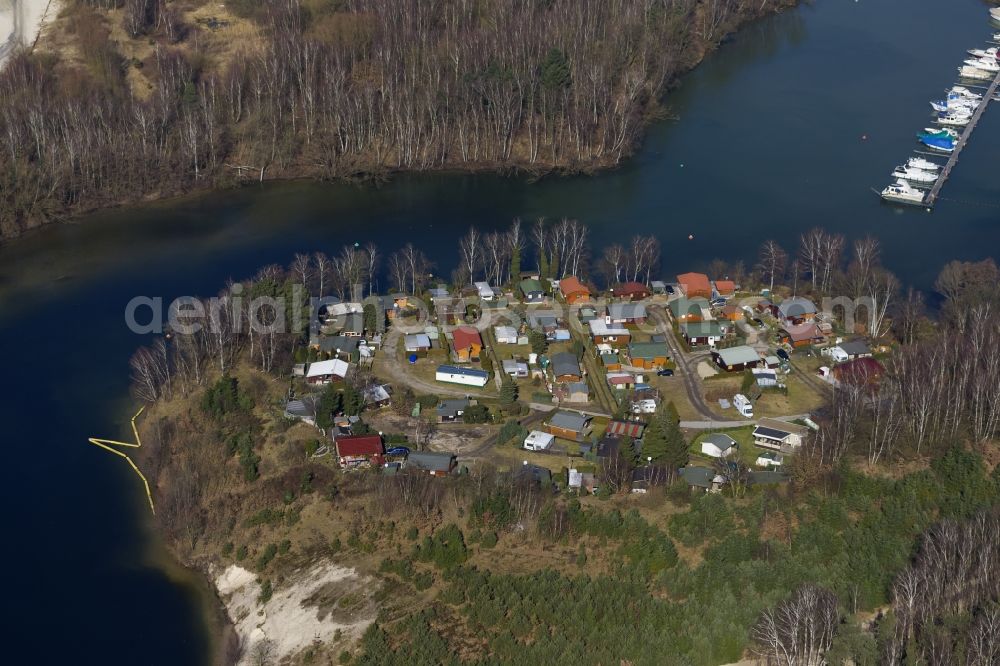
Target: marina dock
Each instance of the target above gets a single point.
(932, 196)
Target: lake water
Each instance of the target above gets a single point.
(767, 143)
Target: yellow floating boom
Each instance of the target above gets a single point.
(106, 444)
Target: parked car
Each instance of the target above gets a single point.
(670, 290)
(782, 354)
(665, 372)
(719, 302)
(758, 322)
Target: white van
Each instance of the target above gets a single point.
(743, 405)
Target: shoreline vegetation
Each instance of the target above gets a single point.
(883, 538)
(126, 101)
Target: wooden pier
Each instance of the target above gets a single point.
(932, 196)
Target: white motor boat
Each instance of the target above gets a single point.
(984, 53)
(912, 175)
(995, 13)
(996, 36)
(953, 120)
(959, 111)
(964, 93)
(989, 64)
(903, 192)
(956, 103)
(969, 72)
(921, 163)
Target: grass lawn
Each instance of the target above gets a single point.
(512, 351)
(801, 398)
(513, 455)
(598, 425)
(672, 390)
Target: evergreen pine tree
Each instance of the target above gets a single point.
(330, 402)
(676, 454)
(508, 392)
(538, 342)
(370, 318)
(353, 401)
(654, 441)
(663, 439)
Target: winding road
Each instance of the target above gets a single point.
(682, 360)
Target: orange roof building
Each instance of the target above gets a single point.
(573, 290)
(725, 288)
(468, 345)
(732, 312)
(695, 284)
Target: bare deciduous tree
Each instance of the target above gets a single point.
(771, 262)
(799, 630)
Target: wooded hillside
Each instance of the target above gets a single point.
(136, 98)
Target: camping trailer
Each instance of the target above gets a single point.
(743, 405)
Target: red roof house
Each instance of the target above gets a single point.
(467, 343)
(695, 284)
(359, 450)
(634, 291)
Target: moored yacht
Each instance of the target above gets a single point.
(902, 192)
(941, 132)
(953, 103)
(912, 175)
(989, 64)
(984, 53)
(954, 119)
(921, 163)
(934, 143)
(962, 91)
(970, 72)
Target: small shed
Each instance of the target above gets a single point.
(718, 445)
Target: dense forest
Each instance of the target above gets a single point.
(808, 578)
(331, 89)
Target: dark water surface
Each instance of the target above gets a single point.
(767, 143)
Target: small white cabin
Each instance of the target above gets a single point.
(538, 440)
